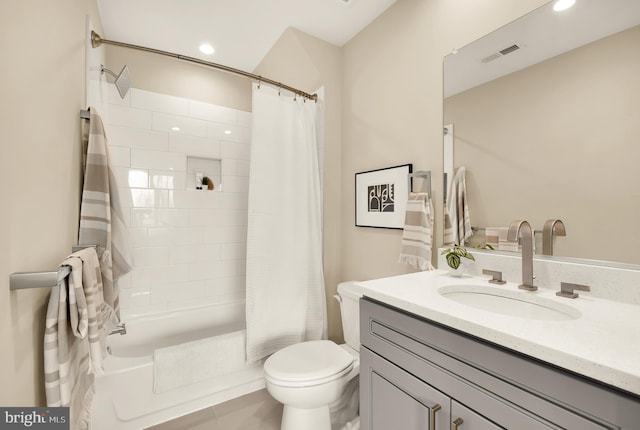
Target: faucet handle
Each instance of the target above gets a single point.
(567, 290)
(496, 277)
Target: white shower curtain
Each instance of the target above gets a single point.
(285, 286)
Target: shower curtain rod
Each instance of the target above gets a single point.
(97, 40)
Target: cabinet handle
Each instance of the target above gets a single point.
(432, 416)
(456, 423)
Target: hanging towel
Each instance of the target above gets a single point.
(101, 217)
(458, 208)
(74, 337)
(448, 228)
(417, 236)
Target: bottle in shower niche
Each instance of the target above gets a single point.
(199, 178)
(208, 182)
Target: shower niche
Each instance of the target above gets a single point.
(204, 173)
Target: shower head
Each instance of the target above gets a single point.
(122, 79)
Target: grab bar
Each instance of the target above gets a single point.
(47, 278)
(426, 174)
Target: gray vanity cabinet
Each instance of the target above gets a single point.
(417, 374)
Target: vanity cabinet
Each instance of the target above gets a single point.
(417, 374)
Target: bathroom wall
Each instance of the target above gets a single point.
(188, 245)
(42, 91)
(577, 157)
(153, 72)
(392, 108)
(305, 62)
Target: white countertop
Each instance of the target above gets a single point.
(603, 343)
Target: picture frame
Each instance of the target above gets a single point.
(381, 197)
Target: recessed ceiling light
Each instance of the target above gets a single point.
(227, 132)
(561, 5)
(205, 48)
(175, 128)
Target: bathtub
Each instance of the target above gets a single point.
(125, 397)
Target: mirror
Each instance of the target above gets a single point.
(545, 117)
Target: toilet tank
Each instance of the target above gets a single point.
(349, 297)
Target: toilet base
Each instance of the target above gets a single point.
(307, 419)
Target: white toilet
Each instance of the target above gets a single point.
(307, 377)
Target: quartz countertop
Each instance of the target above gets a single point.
(603, 343)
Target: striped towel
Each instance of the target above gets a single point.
(100, 217)
(74, 337)
(458, 208)
(418, 232)
(448, 228)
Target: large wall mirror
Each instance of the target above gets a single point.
(545, 117)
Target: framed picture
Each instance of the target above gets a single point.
(381, 197)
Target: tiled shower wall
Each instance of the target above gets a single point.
(188, 246)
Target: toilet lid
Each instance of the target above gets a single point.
(308, 362)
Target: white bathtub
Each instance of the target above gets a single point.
(125, 398)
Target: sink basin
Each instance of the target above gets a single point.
(510, 303)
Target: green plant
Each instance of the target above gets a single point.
(453, 256)
(485, 246)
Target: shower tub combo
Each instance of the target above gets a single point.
(166, 366)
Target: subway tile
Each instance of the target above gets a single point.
(179, 304)
(232, 234)
(159, 218)
(119, 156)
(137, 237)
(168, 292)
(212, 270)
(127, 314)
(235, 201)
(242, 167)
(127, 177)
(229, 132)
(129, 117)
(225, 286)
(135, 298)
(195, 199)
(157, 160)
(138, 138)
(233, 251)
(176, 236)
(157, 102)
(144, 198)
(234, 150)
(235, 184)
(167, 179)
(147, 277)
(151, 256)
(193, 145)
(189, 126)
(124, 282)
(209, 112)
(194, 253)
(229, 167)
(244, 119)
(214, 217)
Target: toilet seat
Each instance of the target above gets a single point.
(307, 364)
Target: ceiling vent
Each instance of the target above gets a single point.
(501, 53)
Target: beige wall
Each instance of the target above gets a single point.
(166, 75)
(42, 89)
(307, 63)
(392, 108)
(559, 140)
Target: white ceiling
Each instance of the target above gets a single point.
(541, 34)
(241, 31)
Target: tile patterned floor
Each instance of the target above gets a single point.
(255, 411)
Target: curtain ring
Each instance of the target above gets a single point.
(259, 83)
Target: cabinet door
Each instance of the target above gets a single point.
(392, 399)
(463, 418)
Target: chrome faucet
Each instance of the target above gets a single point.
(522, 230)
(119, 329)
(552, 227)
